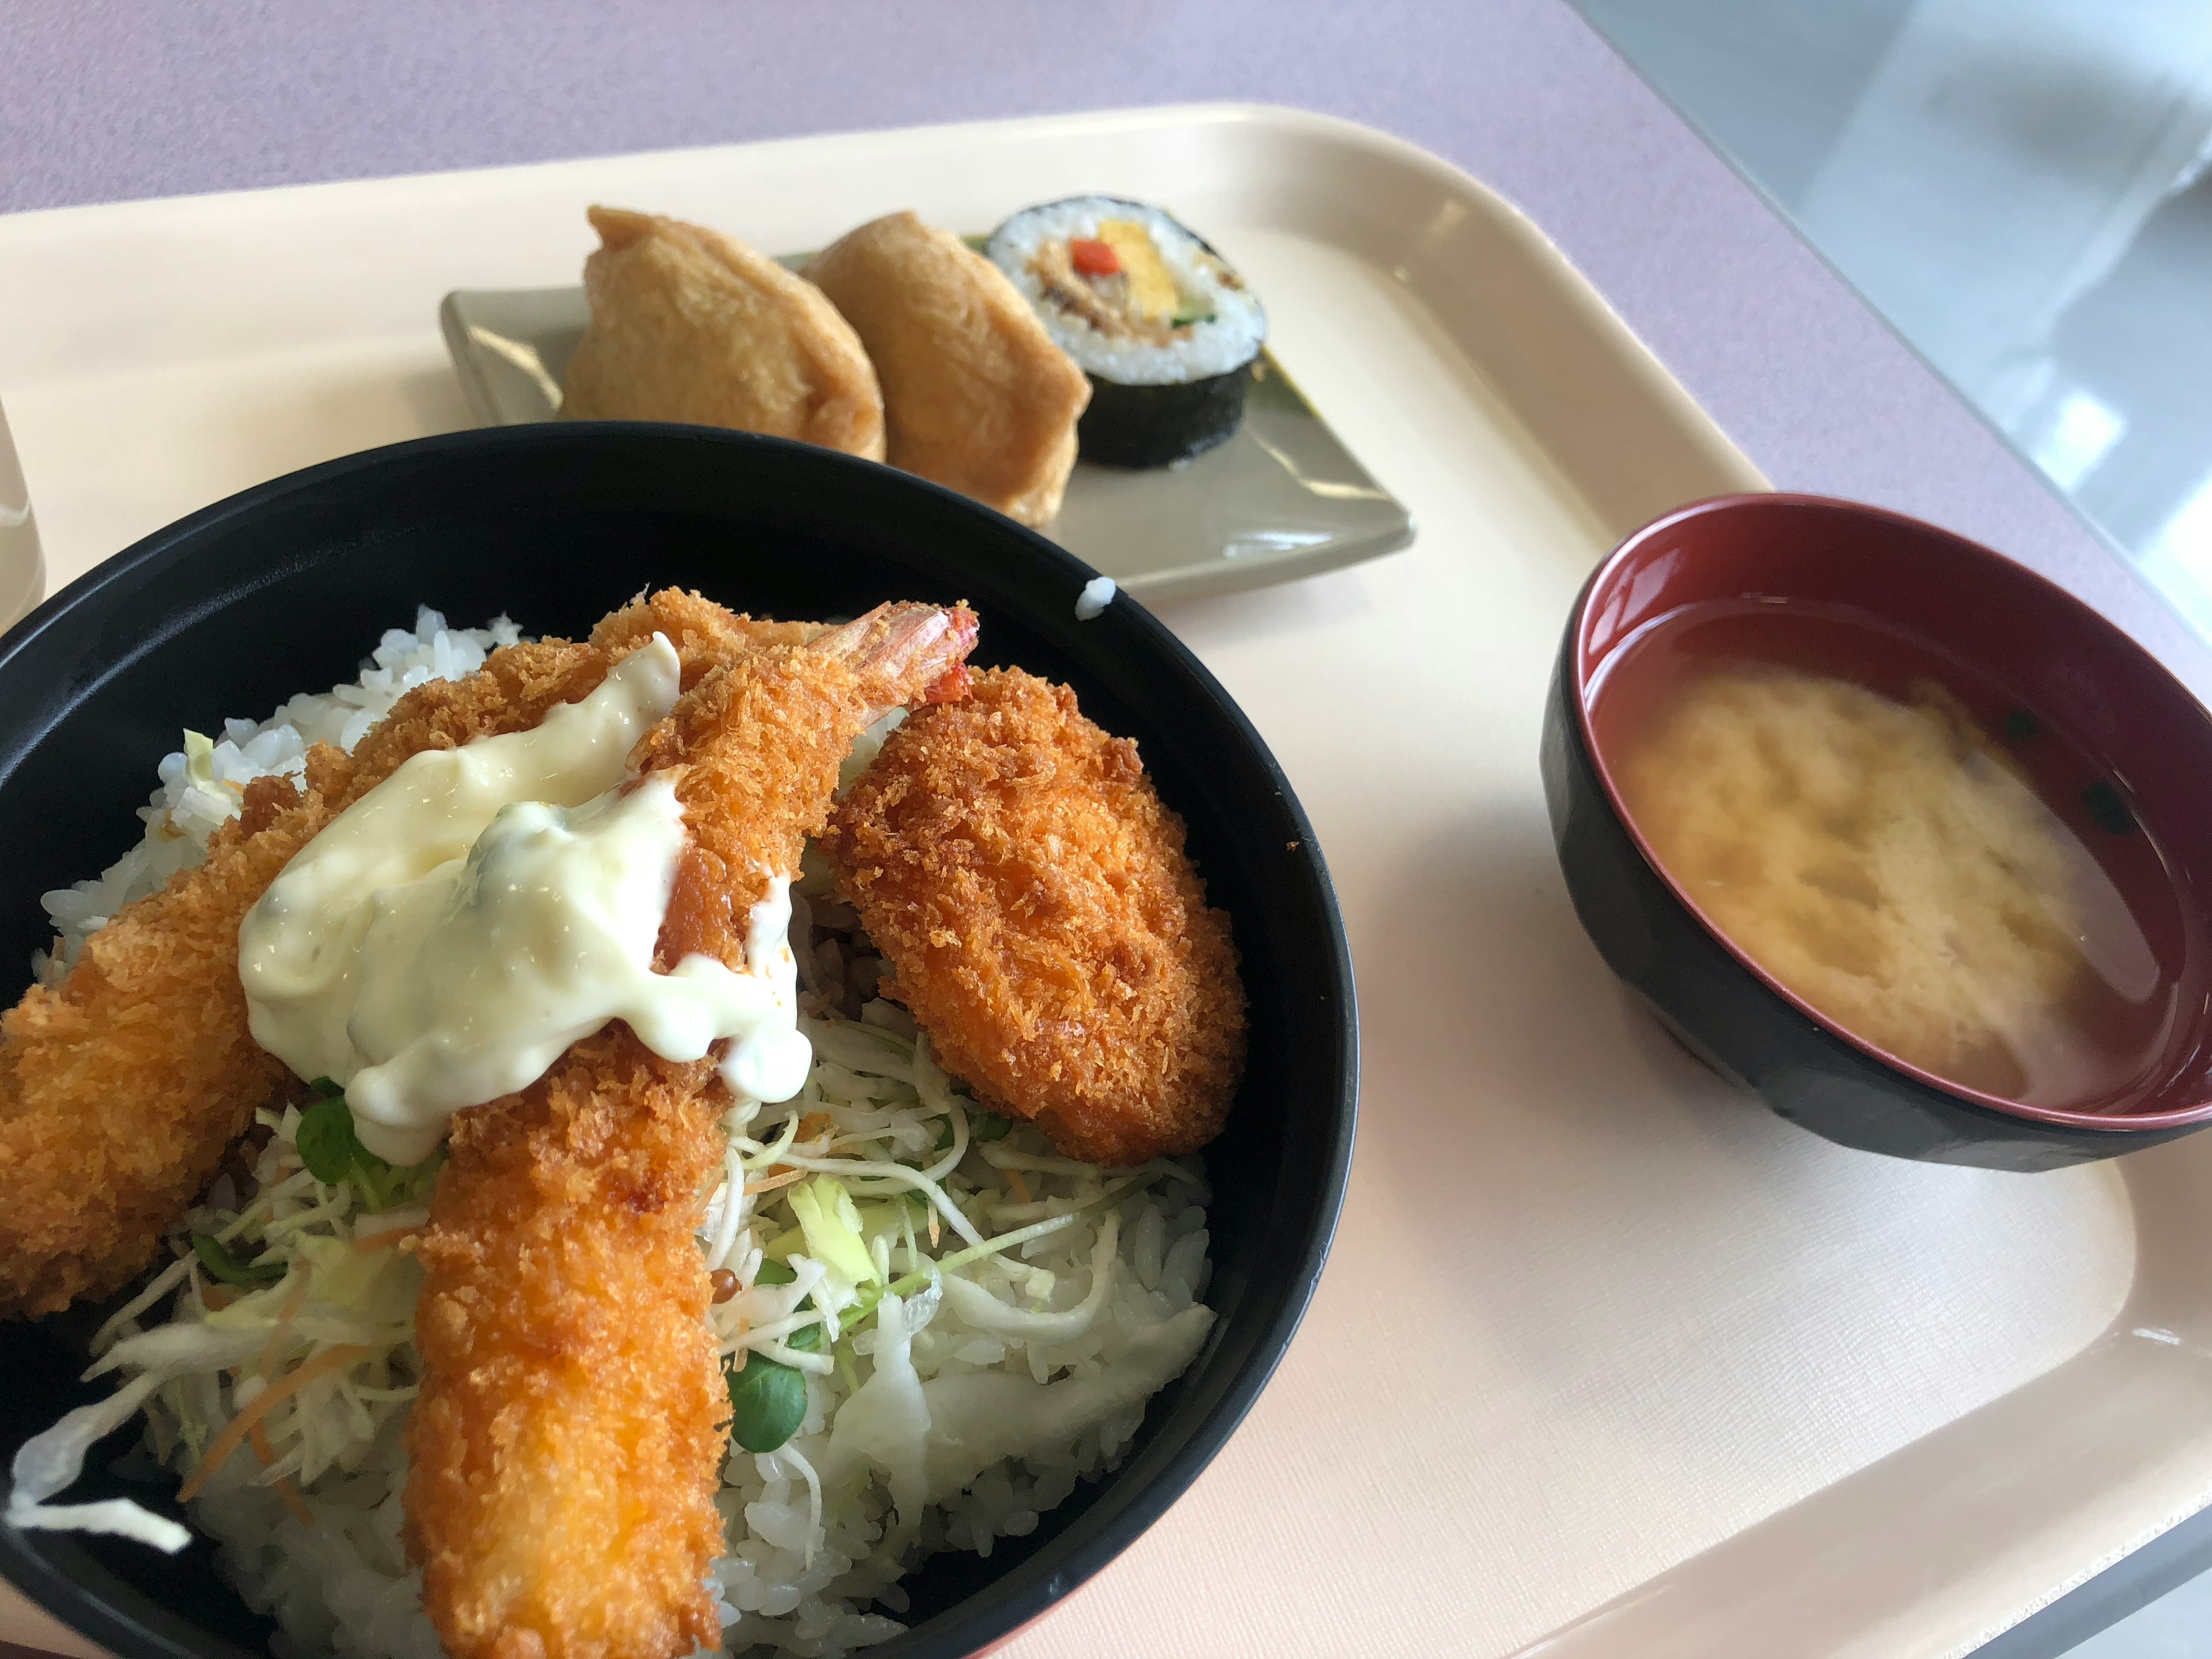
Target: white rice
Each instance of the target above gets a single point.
(1230, 339)
(1052, 1379)
(791, 1582)
(194, 800)
(1097, 593)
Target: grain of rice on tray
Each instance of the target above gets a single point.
(1015, 1308)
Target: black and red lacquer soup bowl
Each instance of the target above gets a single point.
(2001, 625)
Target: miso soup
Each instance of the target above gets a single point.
(1909, 850)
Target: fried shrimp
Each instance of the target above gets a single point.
(121, 1087)
(1016, 867)
(566, 1448)
(704, 634)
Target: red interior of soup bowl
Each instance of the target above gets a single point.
(2003, 621)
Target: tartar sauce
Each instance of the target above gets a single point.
(447, 937)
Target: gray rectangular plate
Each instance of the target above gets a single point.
(1282, 499)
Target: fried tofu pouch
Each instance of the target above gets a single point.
(1043, 923)
(688, 325)
(977, 396)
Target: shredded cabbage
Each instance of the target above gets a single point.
(985, 1417)
(1026, 1361)
(336, 1287)
(957, 1297)
(832, 1226)
(50, 1461)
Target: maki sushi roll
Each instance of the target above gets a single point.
(1164, 329)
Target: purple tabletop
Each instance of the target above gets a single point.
(112, 98)
(108, 99)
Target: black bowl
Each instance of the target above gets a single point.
(2013, 628)
(287, 586)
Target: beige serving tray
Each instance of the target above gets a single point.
(1608, 1363)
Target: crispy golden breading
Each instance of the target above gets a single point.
(567, 1443)
(565, 1452)
(976, 395)
(688, 325)
(1016, 867)
(520, 683)
(703, 633)
(120, 1087)
(750, 805)
(512, 692)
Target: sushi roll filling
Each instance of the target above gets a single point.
(1130, 293)
(1117, 283)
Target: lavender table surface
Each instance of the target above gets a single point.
(110, 100)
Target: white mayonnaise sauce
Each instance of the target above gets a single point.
(447, 937)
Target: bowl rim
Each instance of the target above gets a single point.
(1029, 1591)
(1585, 662)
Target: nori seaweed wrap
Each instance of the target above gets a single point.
(1166, 330)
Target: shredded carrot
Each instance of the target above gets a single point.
(235, 1433)
(815, 1126)
(769, 1183)
(215, 1298)
(1021, 1187)
(294, 1299)
(294, 1502)
(257, 1437)
(394, 1235)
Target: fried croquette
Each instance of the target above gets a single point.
(121, 1087)
(688, 325)
(566, 1449)
(1043, 923)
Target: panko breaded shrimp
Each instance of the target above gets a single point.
(519, 685)
(121, 1087)
(566, 1448)
(704, 634)
(1043, 923)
